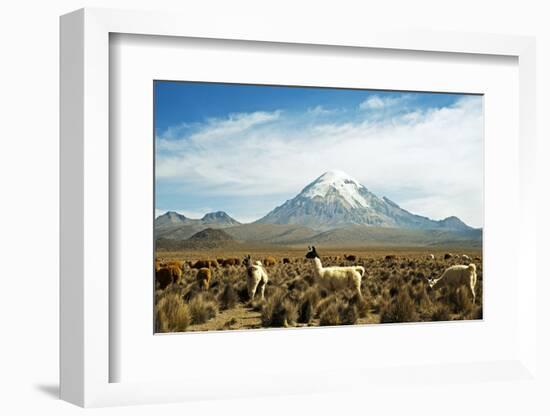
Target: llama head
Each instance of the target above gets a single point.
(431, 283)
(247, 261)
(312, 253)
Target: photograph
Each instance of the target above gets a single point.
(296, 206)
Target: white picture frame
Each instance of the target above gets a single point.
(85, 353)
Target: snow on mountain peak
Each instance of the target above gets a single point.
(337, 176)
(336, 181)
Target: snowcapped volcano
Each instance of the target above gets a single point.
(335, 200)
(337, 185)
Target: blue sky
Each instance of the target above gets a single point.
(245, 149)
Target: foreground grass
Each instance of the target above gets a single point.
(394, 290)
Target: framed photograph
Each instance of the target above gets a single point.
(288, 196)
(243, 263)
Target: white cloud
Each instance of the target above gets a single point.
(375, 102)
(430, 162)
(319, 110)
(236, 123)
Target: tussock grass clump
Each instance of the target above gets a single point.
(330, 316)
(324, 303)
(192, 291)
(171, 314)
(477, 313)
(360, 304)
(215, 286)
(420, 297)
(257, 304)
(460, 300)
(337, 311)
(349, 314)
(309, 279)
(399, 309)
(242, 291)
(441, 313)
(294, 295)
(308, 306)
(176, 289)
(373, 288)
(202, 308)
(298, 284)
(376, 303)
(323, 292)
(279, 311)
(271, 289)
(229, 297)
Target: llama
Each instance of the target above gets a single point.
(270, 261)
(233, 261)
(256, 277)
(175, 263)
(167, 275)
(204, 276)
(349, 274)
(201, 264)
(457, 276)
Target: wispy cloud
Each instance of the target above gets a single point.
(427, 160)
(319, 110)
(377, 102)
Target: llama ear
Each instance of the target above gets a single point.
(309, 248)
(314, 248)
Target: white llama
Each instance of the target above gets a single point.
(456, 276)
(351, 275)
(256, 277)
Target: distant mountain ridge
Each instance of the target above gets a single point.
(171, 218)
(334, 210)
(176, 226)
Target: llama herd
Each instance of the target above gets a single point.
(345, 274)
(453, 277)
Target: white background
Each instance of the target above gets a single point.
(29, 224)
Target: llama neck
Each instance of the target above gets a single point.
(317, 265)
